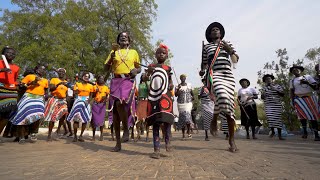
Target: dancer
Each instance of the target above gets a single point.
(124, 63)
(31, 106)
(160, 109)
(101, 94)
(81, 109)
(249, 115)
(185, 98)
(8, 88)
(216, 66)
(271, 95)
(304, 101)
(56, 108)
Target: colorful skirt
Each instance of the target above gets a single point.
(98, 114)
(81, 110)
(8, 100)
(307, 107)
(142, 111)
(30, 110)
(122, 89)
(55, 109)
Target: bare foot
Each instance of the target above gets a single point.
(155, 155)
(116, 149)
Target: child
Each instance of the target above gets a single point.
(160, 109)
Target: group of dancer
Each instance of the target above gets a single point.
(25, 104)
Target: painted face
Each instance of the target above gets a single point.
(86, 77)
(161, 55)
(124, 39)
(41, 70)
(215, 33)
(10, 54)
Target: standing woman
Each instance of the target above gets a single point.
(304, 101)
(124, 63)
(249, 115)
(101, 94)
(8, 87)
(31, 106)
(207, 108)
(81, 111)
(271, 95)
(184, 100)
(217, 58)
(56, 107)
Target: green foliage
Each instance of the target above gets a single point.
(65, 33)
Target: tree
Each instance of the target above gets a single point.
(66, 33)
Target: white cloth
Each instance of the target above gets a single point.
(244, 93)
(302, 88)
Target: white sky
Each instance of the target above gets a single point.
(257, 29)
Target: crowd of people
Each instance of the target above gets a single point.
(25, 104)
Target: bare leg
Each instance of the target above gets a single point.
(123, 117)
(75, 130)
(93, 132)
(112, 132)
(231, 124)
(214, 125)
(206, 138)
(69, 128)
(83, 127)
(101, 133)
(147, 131)
(116, 125)
(51, 124)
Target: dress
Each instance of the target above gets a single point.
(220, 79)
(273, 105)
(249, 116)
(207, 107)
(184, 101)
(160, 107)
(81, 110)
(99, 105)
(305, 101)
(56, 107)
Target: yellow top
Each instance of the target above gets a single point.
(124, 61)
(61, 90)
(84, 89)
(35, 89)
(101, 91)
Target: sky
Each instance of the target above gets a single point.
(255, 28)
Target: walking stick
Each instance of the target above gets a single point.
(175, 75)
(243, 109)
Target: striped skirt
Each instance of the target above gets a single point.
(8, 100)
(274, 112)
(30, 110)
(81, 110)
(307, 107)
(207, 108)
(223, 86)
(55, 109)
